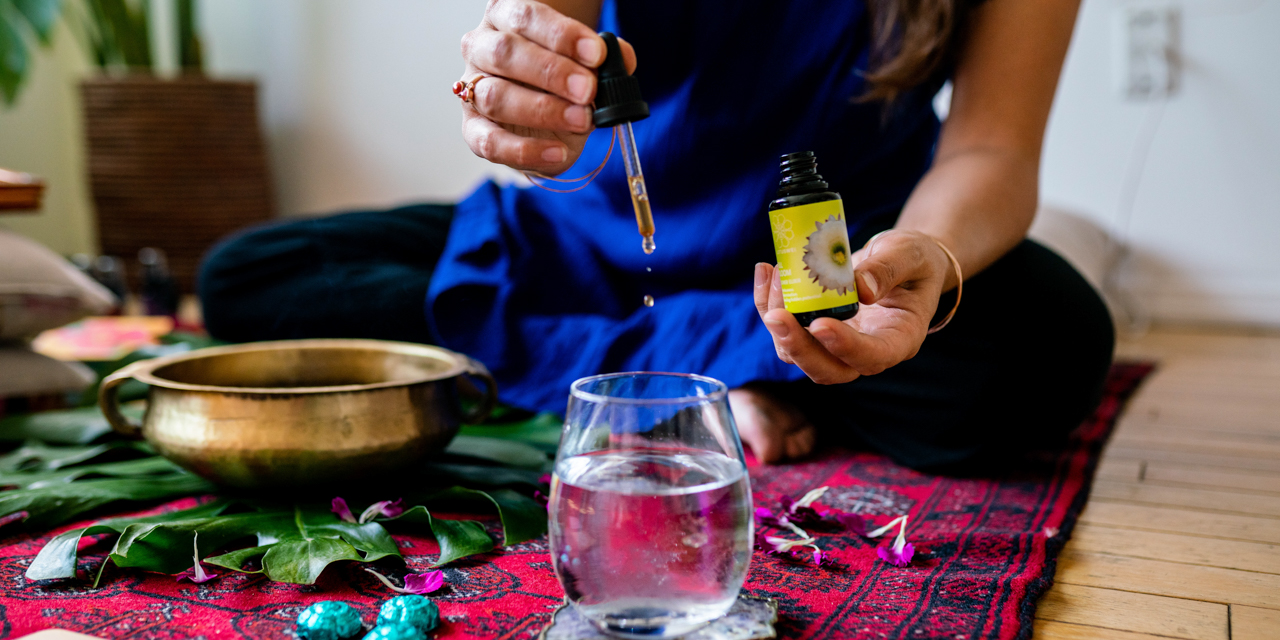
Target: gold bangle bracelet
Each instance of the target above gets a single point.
(955, 264)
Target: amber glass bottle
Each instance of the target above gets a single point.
(812, 243)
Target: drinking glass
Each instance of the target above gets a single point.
(651, 527)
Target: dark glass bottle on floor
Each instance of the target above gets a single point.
(812, 243)
(160, 292)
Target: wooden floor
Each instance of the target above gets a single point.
(1181, 537)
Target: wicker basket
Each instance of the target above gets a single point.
(174, 164)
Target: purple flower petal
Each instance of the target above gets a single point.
(817, 557)
(762, 513)
(414, 583)
(897, 557)
(196, 574)
(420, 583)
(853, 523)
(344, 512)
(385, 509)
(544, 478)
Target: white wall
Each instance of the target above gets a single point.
(356, 96)
(1204, 224)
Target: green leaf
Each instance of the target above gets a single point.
(302, 561)
(55, 504)
(439, 473)
(13, 61)
(70, 426)
(235, 560)
(541, 430)
(457, 538)
(41, 15)
(57, 559)
(35, 456)
(140, 468)
(522, 518)
(507, 452)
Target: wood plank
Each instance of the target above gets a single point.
(1221, 447)
(1185, 434)
(1138, 612)
(1193, 582)
(1052, 630)
(1191, 457)
(1122, 470)
(1185, 497)
(1171, 520)
(1173, 547)
(1173, 474)
(1200, 412)
(1252, 623)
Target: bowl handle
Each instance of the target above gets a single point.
(481, 411)
(108, 393)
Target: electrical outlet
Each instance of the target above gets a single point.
(1145, 51)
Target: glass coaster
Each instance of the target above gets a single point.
(749, 618)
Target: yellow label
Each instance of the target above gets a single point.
(813, 256)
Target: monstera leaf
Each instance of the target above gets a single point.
(288, 544)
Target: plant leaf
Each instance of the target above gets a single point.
(522, 518)
(13, 61)
(541, 430)
(508, 452)
(36, 456)
(71, 426)
(141, 467)
(57, 559)
(457, 538)
(302, 561)
(40, 14)
(439, 473)
(235, 560)
(55, 504)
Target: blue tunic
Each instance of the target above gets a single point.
(545, 288)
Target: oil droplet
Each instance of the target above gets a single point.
(648, 301)
(648, 268)
(648, 244)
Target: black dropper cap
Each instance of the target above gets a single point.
(618, 97)
(800, 174)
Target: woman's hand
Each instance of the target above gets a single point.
(899, 276)
(533, 111)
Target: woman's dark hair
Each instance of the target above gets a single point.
(913, 42)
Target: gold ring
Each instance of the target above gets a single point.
(466, 90)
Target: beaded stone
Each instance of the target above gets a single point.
(395, 631)
(418, 611)
(328, 620)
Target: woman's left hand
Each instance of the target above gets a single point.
(899, 277)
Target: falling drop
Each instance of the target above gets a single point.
(648, 268)
(648, 301)
(648, 244)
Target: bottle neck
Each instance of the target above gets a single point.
(800, 176)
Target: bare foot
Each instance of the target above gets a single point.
(774, 430)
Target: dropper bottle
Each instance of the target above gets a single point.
(618, 104)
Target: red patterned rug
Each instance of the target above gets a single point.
(985, 551)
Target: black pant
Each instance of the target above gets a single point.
(1021, 364)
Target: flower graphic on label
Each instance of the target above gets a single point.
(782, 233)
(826, 256)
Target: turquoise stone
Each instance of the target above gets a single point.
(417, 611)
(395, 631)
(328, 620)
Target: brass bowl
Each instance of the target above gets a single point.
(300, 413)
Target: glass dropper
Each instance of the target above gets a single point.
(618, 104)
(635, 183)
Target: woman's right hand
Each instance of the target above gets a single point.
(532, 110)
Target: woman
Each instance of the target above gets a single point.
(546, 287)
